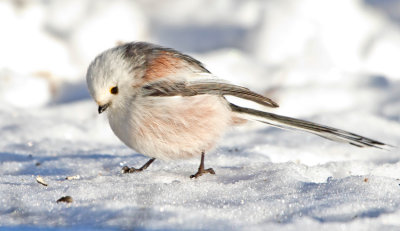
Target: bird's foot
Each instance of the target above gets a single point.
(127, 169)
(203, 171)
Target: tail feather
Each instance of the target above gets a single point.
(317, 129)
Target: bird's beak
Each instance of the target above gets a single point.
(103, 107)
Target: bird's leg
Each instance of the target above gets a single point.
(201, 170)
(127, 169)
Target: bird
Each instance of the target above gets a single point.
(166, 105)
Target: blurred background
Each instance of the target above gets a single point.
(303, 53)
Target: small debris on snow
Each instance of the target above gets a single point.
(77, 177)
(41, 181)
(66, 199)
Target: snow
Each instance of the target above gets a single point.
(333, 63)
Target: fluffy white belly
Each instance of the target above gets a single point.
(172, 127)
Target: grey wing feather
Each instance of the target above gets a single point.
(165, 88)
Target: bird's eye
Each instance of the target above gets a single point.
(114, 90)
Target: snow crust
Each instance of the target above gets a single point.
(333, 62)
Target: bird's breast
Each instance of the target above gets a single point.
(172, 127)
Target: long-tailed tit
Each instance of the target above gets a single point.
(167, 105)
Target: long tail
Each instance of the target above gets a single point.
(317, 129)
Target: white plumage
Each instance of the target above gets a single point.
(166, 105)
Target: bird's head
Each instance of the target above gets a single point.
(111, 79)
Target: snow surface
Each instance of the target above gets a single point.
(334, 62)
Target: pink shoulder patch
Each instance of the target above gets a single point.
(162, 66)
